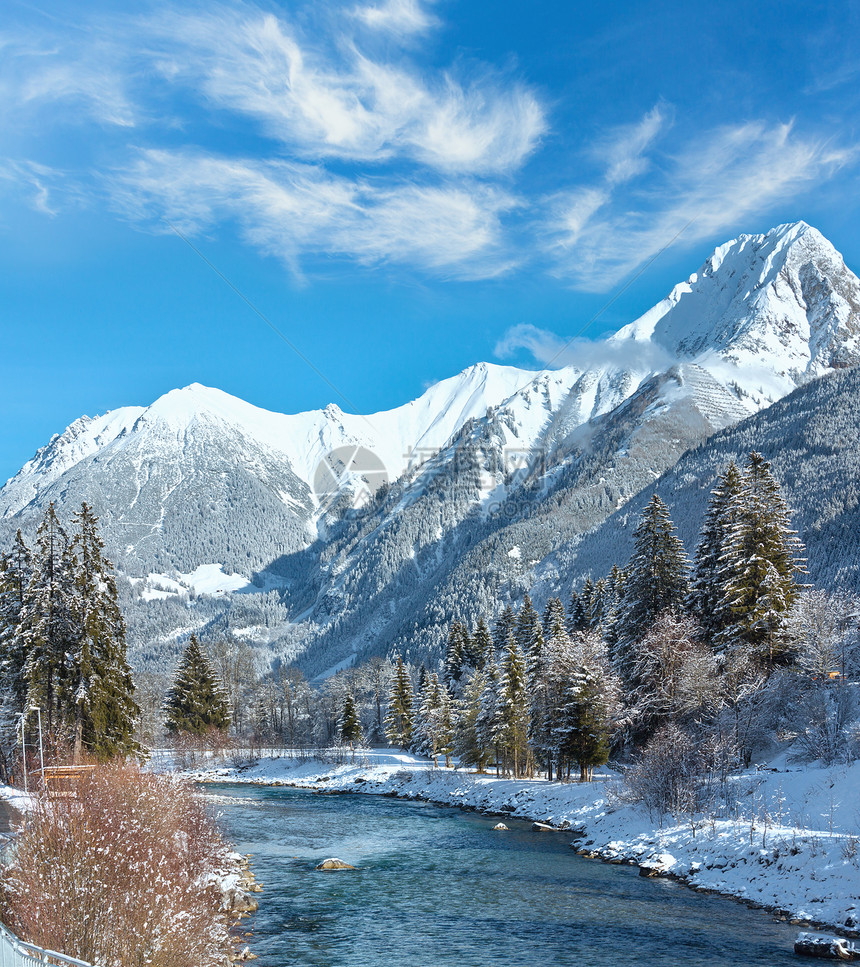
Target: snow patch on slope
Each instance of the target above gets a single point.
(205, 579)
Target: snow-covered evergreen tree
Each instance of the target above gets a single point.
(550, 678)
(656, 577)
(513, 704)
(481, 645)
(16, 568)
(196, 701)
(349, 725)
(432, 732)
(553, 613)
(505, 625)
(587, 727)
(612, 609)
(488, 720)
(468, 742)
(759, 567)
(448, 724)
(48, 628)
(705, 600)
(399, 721)
(456, 654)
(98, 689)
(580, 602)
(598, 604)
(588, 696)
(530, 637)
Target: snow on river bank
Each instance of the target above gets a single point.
(793, 846)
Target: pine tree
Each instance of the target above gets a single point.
(349, 726)
(468, 743)
(447, 726)
(513, 704)
(427, 733)
(530, 637)
(99, 689)
(587, 700)
(489, 718)
(16, 569)
(613, 608)
(656, 576)
(578, 610)
(398, 722)
(196, 702)
(482, 644)
(557, 671)
(759, 567)
(705, 600)
(587, 724)
(553, 613)
(581, 621)
(455, 653)
(506, 624)
(48, 628)
(598, 605)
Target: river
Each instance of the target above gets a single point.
(437, 887)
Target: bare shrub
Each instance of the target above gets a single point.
(121, 875)
(191, 751)
(829, 710)
(666, 777)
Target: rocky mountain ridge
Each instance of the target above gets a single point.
(321, 536)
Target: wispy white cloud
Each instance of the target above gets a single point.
(541, 344)
(599, 234)
(623, 148)
(42, 188)
(621, 152)
(374, 158)
(548, 349)
(401, 17)
(372, 155)
(290, 209)
(326, 99)
(86, 78)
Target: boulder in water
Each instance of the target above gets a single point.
(826, 948)
(659, 864)
(334, 864)
(500, 826)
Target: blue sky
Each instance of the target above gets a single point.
(399, 186)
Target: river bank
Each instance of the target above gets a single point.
(436, 884)
(793, 847)
(113, 831)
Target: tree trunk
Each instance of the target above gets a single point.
(79, 732)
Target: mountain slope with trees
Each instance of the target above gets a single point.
(218, 521)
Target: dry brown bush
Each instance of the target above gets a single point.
(121, 875)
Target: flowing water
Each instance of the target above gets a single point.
(438, 887)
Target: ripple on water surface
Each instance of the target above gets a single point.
(437, 887)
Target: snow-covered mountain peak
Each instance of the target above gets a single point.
(783, 302)
(180, 407)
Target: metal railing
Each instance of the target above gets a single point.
(16, 953)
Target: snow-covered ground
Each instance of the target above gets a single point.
(17, 798)
(794, 844)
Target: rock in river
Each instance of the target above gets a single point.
(334, 864)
